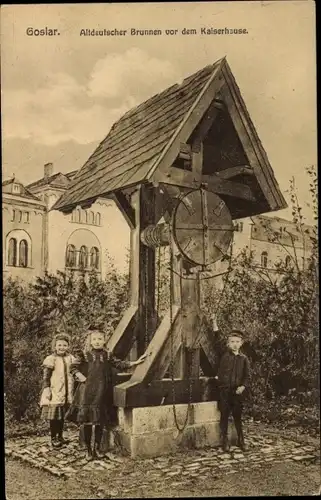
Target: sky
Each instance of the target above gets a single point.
(61, 94)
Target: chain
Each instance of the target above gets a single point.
(179, 427)
(145, 304)
(158, 280)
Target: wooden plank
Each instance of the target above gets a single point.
(134, 268)
(192, 180)
(146, 300)
(228, 173)
(206, 123)
(126, 208)
(160, 392)
(122, 338)
(143, 372)
(197, 160)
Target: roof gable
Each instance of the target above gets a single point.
(58, 180)
(145, 143)
(7, 188)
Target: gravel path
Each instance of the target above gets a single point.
(273, 465)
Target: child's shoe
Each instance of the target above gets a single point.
(225, 445)
(89, 454)
(97, 452)
(63, 441)
(240, 443)
(55, 443)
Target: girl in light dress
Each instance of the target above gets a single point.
(57, 389)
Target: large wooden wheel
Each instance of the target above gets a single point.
(202, 227)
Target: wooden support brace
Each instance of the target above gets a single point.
(149, 369)
(125, 207)
(122, 339)
(193, 180)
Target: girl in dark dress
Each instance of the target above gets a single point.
(93, 401)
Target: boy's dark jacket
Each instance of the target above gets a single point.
(233, 370)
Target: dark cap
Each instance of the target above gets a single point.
(236, 333)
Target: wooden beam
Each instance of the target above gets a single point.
(185, 151)
(160, 392)
(228, 173)
(122, 338)
(146, 276)
(134, 268)
(148, 369)
(193, 180)
(125, 207)
(206, 123)
(197, 160)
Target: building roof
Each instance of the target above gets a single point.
(138, 143)
(7, 188)
(58, 180)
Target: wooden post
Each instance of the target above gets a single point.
(191, 325)
(146, 275)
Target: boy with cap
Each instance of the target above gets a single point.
(233, 378)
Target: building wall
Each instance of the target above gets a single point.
(30, 229)
(111, 236)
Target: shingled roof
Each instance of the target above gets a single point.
(138, 143)
(55, 180)
(133, 144)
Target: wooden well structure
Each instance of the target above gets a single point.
(195, 142)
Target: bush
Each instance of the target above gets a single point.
(279, 313)
(33, 313)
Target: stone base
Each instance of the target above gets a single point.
(151, 431)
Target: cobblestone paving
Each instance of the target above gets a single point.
(180, 469)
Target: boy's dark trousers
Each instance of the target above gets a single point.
(230, 402)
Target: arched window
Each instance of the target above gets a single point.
(97, 219)
(70, 256)
(94, 258)
(83, 254)
(23, 253)
(12, 252)
(26, 214)
(91, 218)
(287, 261)
(86, 219)
(264, 259)
(19, 216)
(13, 215)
